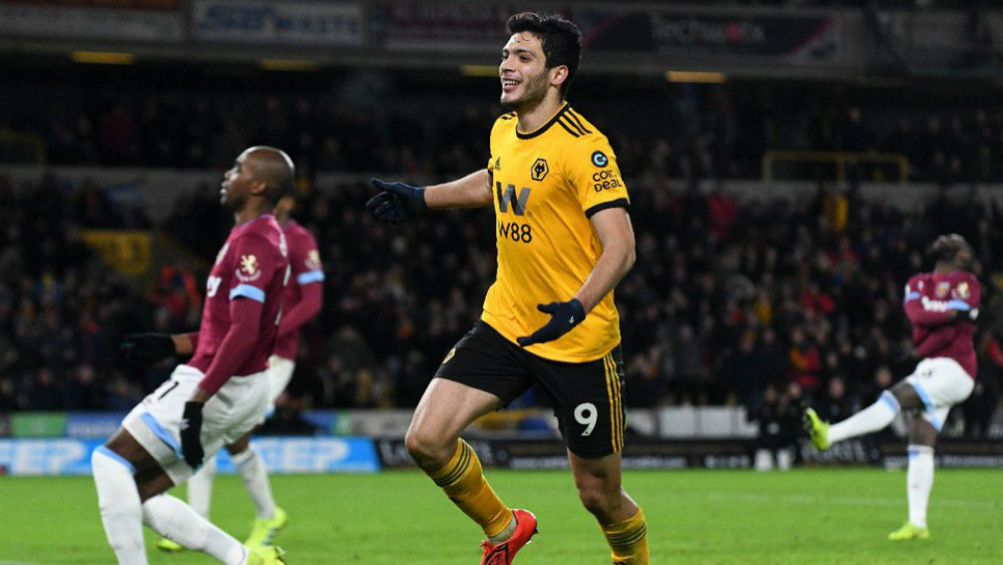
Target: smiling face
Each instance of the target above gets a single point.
(525, 78)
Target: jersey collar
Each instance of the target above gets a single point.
(540, 130)
(254, 221)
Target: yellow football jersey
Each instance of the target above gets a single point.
(546, 185)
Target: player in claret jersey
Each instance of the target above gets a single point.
(219, 395)
(304, 297)
(942, 307)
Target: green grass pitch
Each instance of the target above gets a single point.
(815, 517)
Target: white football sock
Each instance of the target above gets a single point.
(118, 499)
(871, 419)
(252, 469)
(920, 482)
(175, 520)
(200, 488)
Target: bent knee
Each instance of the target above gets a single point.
(238, 448)
(428, 449)
(598, 500)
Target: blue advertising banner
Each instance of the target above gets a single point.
(270, 21)
(93, 425)
(281, 454)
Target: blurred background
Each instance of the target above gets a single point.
(788, 163)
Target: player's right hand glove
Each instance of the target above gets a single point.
(147, 349)
(191, 434)
(971, 316)
(564, 316)
(396, 202)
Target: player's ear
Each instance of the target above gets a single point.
(558, 75)
(259, 187)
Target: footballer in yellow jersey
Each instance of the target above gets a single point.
(564, 241)
(547, 184)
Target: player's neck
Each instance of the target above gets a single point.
(249, 213)
(945, 269)
(532, 118)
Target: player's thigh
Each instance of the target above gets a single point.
(241, 445)
(482, 373)
(921, 431)
(123, 444)
(150, 478)
(155, 423)
(280, 372)
(153, 482)
(939, 383)
(236, 410)
(447, 408)
(588, 403)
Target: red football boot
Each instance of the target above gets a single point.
(504, 553)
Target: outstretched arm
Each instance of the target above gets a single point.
(471, 191)
(399, 202)
(148, 349)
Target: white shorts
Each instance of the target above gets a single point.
(232, 412)
(280, 372)
(940, 383)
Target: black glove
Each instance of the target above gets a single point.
(563, 317)
(396, 202)
(146, 350)
(971, 316)
(191, 434)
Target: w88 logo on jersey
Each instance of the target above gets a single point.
(515, 231)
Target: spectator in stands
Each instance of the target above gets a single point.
(810, 284)
(778, 418)
(835, 404)
(980, 407)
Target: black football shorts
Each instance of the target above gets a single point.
(587, 397)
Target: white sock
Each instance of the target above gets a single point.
(920, 482)
(118, 499)
(252, 469)
(175, 520)
(200, 488)
(871, 419)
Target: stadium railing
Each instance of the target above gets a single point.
(839, 159)
(24, 148)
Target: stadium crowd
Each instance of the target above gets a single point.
(719, 131)
(728, 303)
(62, 310)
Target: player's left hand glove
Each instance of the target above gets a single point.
(147, 349)
(970, 316)
(191, 434)
(563, 317)
(396, 202)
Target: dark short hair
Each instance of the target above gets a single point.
(947, 247)
(560, 37)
